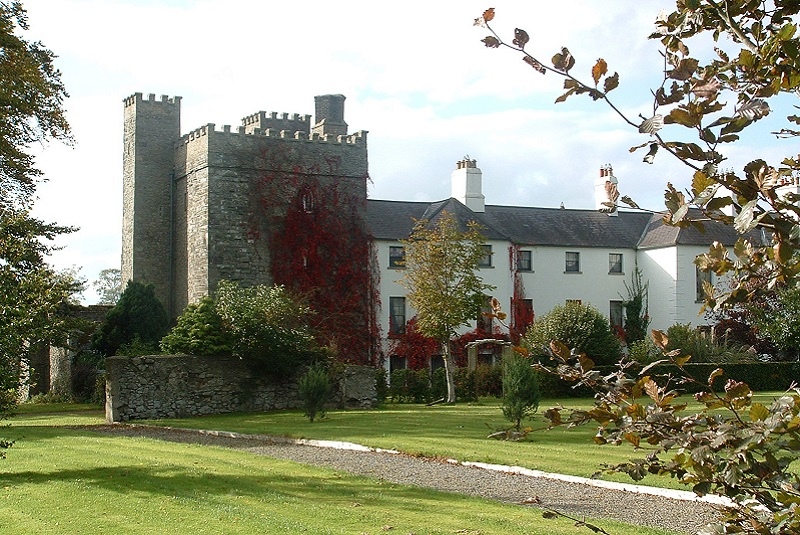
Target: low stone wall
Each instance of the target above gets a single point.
(178, 386)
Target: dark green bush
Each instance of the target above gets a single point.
(760, 376)
(489, 380)
(422, 386)
(199, 331)
(137, 318)
(580, 327)
(465, 385)
(314, 388)
(521, 393)
(410, 386)
(381, 385)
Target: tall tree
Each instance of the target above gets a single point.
(31, 99)
(108, 286)
(442, 281)
(32, 294)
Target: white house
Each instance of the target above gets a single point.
(548, 256)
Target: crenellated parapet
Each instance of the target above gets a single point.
(151, 98)
(357, 139)
(274, 121)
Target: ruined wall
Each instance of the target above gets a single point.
(178, 386)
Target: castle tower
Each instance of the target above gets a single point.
(466, 183)
(329, 115)
(151, 128)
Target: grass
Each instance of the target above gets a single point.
(449, 431)
(61, 479)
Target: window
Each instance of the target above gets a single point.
(486, 260)
(616, 314)
(397, 256)
(701, 277)
(307, 200)
(485, 320)
(396, 362)
(573, 262)
(525, 260)
(397, 315)
(614, 263)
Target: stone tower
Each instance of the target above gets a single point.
(207, 206)
(152, 127)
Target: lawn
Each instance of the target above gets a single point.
(450, 431)
(61, 479)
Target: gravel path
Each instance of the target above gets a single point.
(574, 498)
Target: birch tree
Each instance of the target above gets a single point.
(443, 285)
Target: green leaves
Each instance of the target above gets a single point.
(441, 274)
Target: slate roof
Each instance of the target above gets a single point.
(394, 220)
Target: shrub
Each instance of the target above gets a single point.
(580, 327)
(703, 348)
(199, 331)
(779, 322)
(314, 388)
(268, 327)
(643, 351)
(423, 386)
(521, 394)
(410, 386)
(489, 380)
(381, 385)
(137, 319)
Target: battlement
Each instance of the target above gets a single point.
(358, 138)
(264, 121)
(151, 98)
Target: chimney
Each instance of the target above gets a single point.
(466, 184)
(605, 190)
(329, 115)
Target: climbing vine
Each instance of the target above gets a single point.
(319, 248)
(522, 314)
(418, 348)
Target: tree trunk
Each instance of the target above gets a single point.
(449, 372)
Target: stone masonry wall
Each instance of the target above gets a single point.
(178, 386)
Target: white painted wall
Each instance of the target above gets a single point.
(670, 272)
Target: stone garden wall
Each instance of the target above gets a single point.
(178, 386)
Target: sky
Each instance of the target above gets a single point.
(416, 76)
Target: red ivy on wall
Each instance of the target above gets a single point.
(522, 314)
(320, 249)
(414, 346)
(418, 348)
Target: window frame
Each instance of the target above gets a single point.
(395, 326)
(576, 262)
(524, 260)
(620, 309)
(699, 277)
(394, 260)
(612, 265)
(486, 259)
